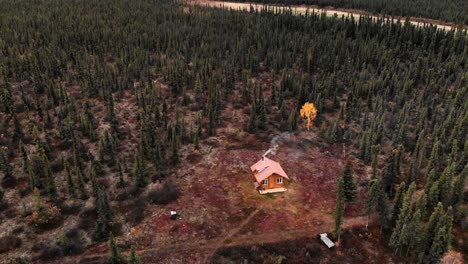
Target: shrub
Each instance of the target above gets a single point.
(135, 210)
(165, 194)
(88, 217)
(47, 250)
(71, 242)
(45, 215)
(20, 260)
(8, 243)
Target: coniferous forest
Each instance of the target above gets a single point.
(455, 11)
(100, 100)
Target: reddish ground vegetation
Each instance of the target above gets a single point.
(357, 246)
(218, 195)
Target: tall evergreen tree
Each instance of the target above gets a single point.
(104, 217)
(133, 258)
(350, 189)
(398, 202)
(377, 200)
(18, 133)
(402, 235)
(429, 233)
(434, 159)
(458, 187)
(375, 150)
(139, 170)
(340, 199)
(115, 254)
(6, 168)
(81, 183)
(51, 188)
(445, 184)
(70, 183)
(441, 241)
(252, 124)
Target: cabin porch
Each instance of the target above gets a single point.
(274, 190)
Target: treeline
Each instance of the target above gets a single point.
(98, 97)
(455, 11)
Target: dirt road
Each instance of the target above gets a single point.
(301, 10)
(232, 238)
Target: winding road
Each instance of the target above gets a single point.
(302, 9)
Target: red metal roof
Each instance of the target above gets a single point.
(265, 167)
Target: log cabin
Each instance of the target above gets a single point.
(269, 177)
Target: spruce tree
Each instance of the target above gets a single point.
(430, 179)
(121, 183)
(24, 155)
(133, 258)
(196, 141)
(139, 170)
(350, 189)
(429, 233)
(292, 121)
(51, 188)
(398, 202)
(81, 183)
(93, 177)
(365, 148)
(375, 150)
(458, 187)
(115, 254)
(377, 200)
(252, 124)
(441, 242)
(421, 205)
(211, 120)
(261, 109)
(434, 159)
(18, 133)
(6, 168)
(70, 183)
(413, 232)
(174, 147)
(33, 181)
(339, 209)
(402, 235)
(104, 217)
(463, 161)
(445, 184)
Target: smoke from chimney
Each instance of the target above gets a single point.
(274, 146)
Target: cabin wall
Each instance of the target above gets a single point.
(272, 182)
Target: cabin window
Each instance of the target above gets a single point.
(265, 182)
(279, 180)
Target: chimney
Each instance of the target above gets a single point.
(263, 158)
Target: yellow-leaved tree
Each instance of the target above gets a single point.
(309, 112)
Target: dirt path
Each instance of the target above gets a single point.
(232, 238)
(227, 238)
(301, 10)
